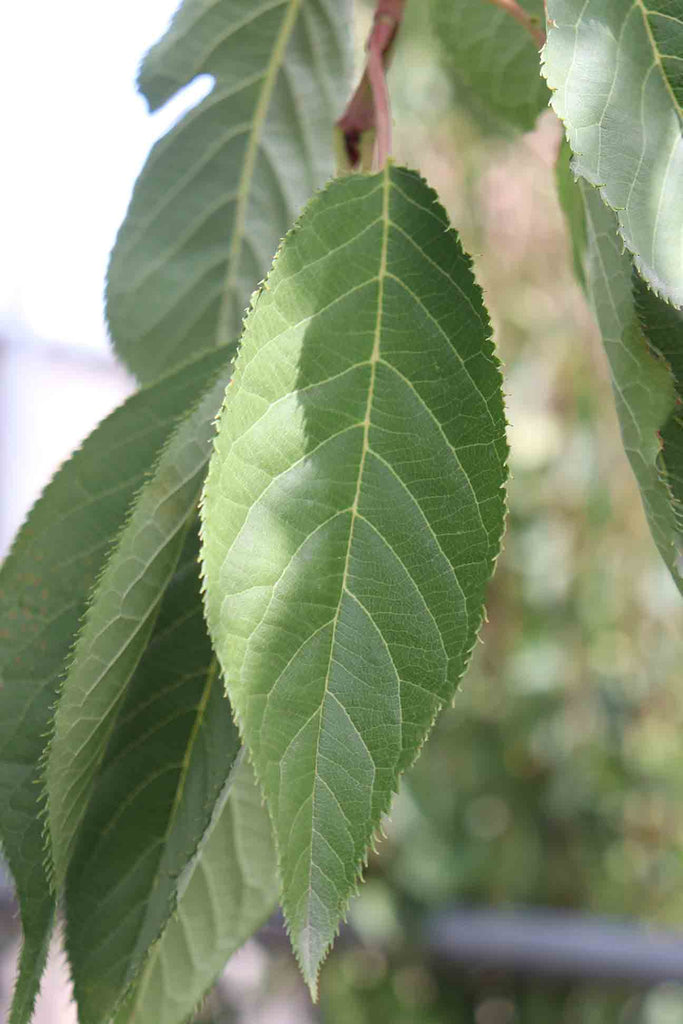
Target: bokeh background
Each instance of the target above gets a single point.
(556, 780)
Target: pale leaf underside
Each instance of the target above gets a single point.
(351, 518)
(221, 188)
(615, 72)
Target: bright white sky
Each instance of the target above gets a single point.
(75, 133)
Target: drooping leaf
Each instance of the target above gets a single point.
(120, 620)
(644, 385)
(352, 514)
(613, 68)
(493, 56)
(168, 761)
(44, 586)
(221, 188)
(230, 891)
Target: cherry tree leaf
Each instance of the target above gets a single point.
(229, 890)
(572, 206)
(614, 70)
(494, 57)
(166, 766)
(120, 621)
(44, 587)
(219, 191)
(351, 517)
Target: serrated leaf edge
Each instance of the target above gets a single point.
(311, 977)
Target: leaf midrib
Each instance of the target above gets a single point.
(200, 715)
(374, 359)
(211, 676)
(247, 173)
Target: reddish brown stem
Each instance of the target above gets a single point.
(524, 19)
(369, 109)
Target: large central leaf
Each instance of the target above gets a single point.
(614, 68)
(352, 515)
(219, 191)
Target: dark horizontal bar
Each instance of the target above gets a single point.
(555, 942)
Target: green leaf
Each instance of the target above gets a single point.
(120, 620)
(492, 55)
(663, 329)
(231, 891)
(571, 203)
(352, 515)
(644, 386)
(44, 586)
(219, 191)
(166, 766)
(614, 71)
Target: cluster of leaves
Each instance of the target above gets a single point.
(354, 503)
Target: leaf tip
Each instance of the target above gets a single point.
(310, 954)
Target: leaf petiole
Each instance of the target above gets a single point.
(365, 125)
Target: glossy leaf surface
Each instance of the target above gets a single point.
(223, 186)
(614, 69)
(167, 763)
(351, 518)
(44, 587)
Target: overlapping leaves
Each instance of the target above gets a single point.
(168, 761)
(119, 624)
(354, 507)
(614, 69)
(220, 190)
(643, 339)
(229, 891)
(351, 518)
(143, 741)
(44, 588)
